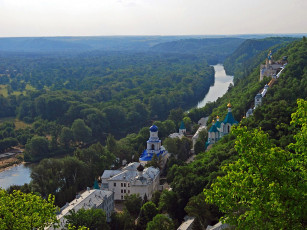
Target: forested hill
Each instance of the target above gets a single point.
(214, 49)
(273, 117)
(106, 43)
(246, 57)
(115, 93)
(81, 44)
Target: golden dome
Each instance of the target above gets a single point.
(217, 117)
(213, 121)
(244, 117)
(229, 105)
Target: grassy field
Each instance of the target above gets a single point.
(4, 91)
(18, 124)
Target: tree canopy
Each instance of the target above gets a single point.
(26, 211)
(266, 187)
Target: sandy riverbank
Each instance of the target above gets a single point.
(13, 161)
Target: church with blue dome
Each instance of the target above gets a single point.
(220, 129)
(154, 146)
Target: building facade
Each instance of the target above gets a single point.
(154, 147)
(92, 198)
(271, 68)
(132, 179)
(220, 129)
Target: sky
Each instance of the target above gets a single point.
(27, 18)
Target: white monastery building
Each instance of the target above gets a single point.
(154, 147)
(132, 179)
(94, 198)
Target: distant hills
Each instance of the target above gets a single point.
(128, 43)
(214, 49)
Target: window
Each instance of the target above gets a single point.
(125, 191)
(121, 185)
(122, 197)
(121, 191)
(114, 184)
(128, 191)
(128, 185)
(124, 184)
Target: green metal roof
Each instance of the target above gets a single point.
(182, 126)
(213, 129)
(230, 119)
(218, 124)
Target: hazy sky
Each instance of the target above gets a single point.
(151, 17)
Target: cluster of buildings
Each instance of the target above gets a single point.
(116, 184)
(132, 179)
(135, 179)
(181, 133)
(220, 129)
(270, 69)
(91, 198)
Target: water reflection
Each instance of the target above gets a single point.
(17, 175)
(220, 86)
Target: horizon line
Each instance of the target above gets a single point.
(154, 35)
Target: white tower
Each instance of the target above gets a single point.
(153, 143)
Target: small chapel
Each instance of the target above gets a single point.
(154, 147)
(220, 129)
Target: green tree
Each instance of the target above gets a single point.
(169, 203)
(26, 211)
(81, 131)
(148, 211)
(133, 204)
(123, 221)
(187, 122)
(97, 158)
(36, 148)
(90, 218)
(266, 187)
(160, 221)
(205, 214)
(66, 136)
(176, 115)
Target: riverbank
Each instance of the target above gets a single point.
(18, 173)
(7, 163)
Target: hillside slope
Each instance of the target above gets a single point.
(251, 53)
(273, 117)
(214, 49)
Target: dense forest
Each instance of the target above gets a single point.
(252, 51)
(273, 118)
(72, 108)
(213, 49)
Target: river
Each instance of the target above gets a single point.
(220, 86)
(18, 175)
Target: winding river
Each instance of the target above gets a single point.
(20, 174)
(220, 87)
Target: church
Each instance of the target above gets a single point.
(154, 147)
(220, 129)
(271, 68)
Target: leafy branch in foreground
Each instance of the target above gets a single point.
(266, 187)
(26, 211)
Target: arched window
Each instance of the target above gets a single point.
(152, 147)
(228, 128)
